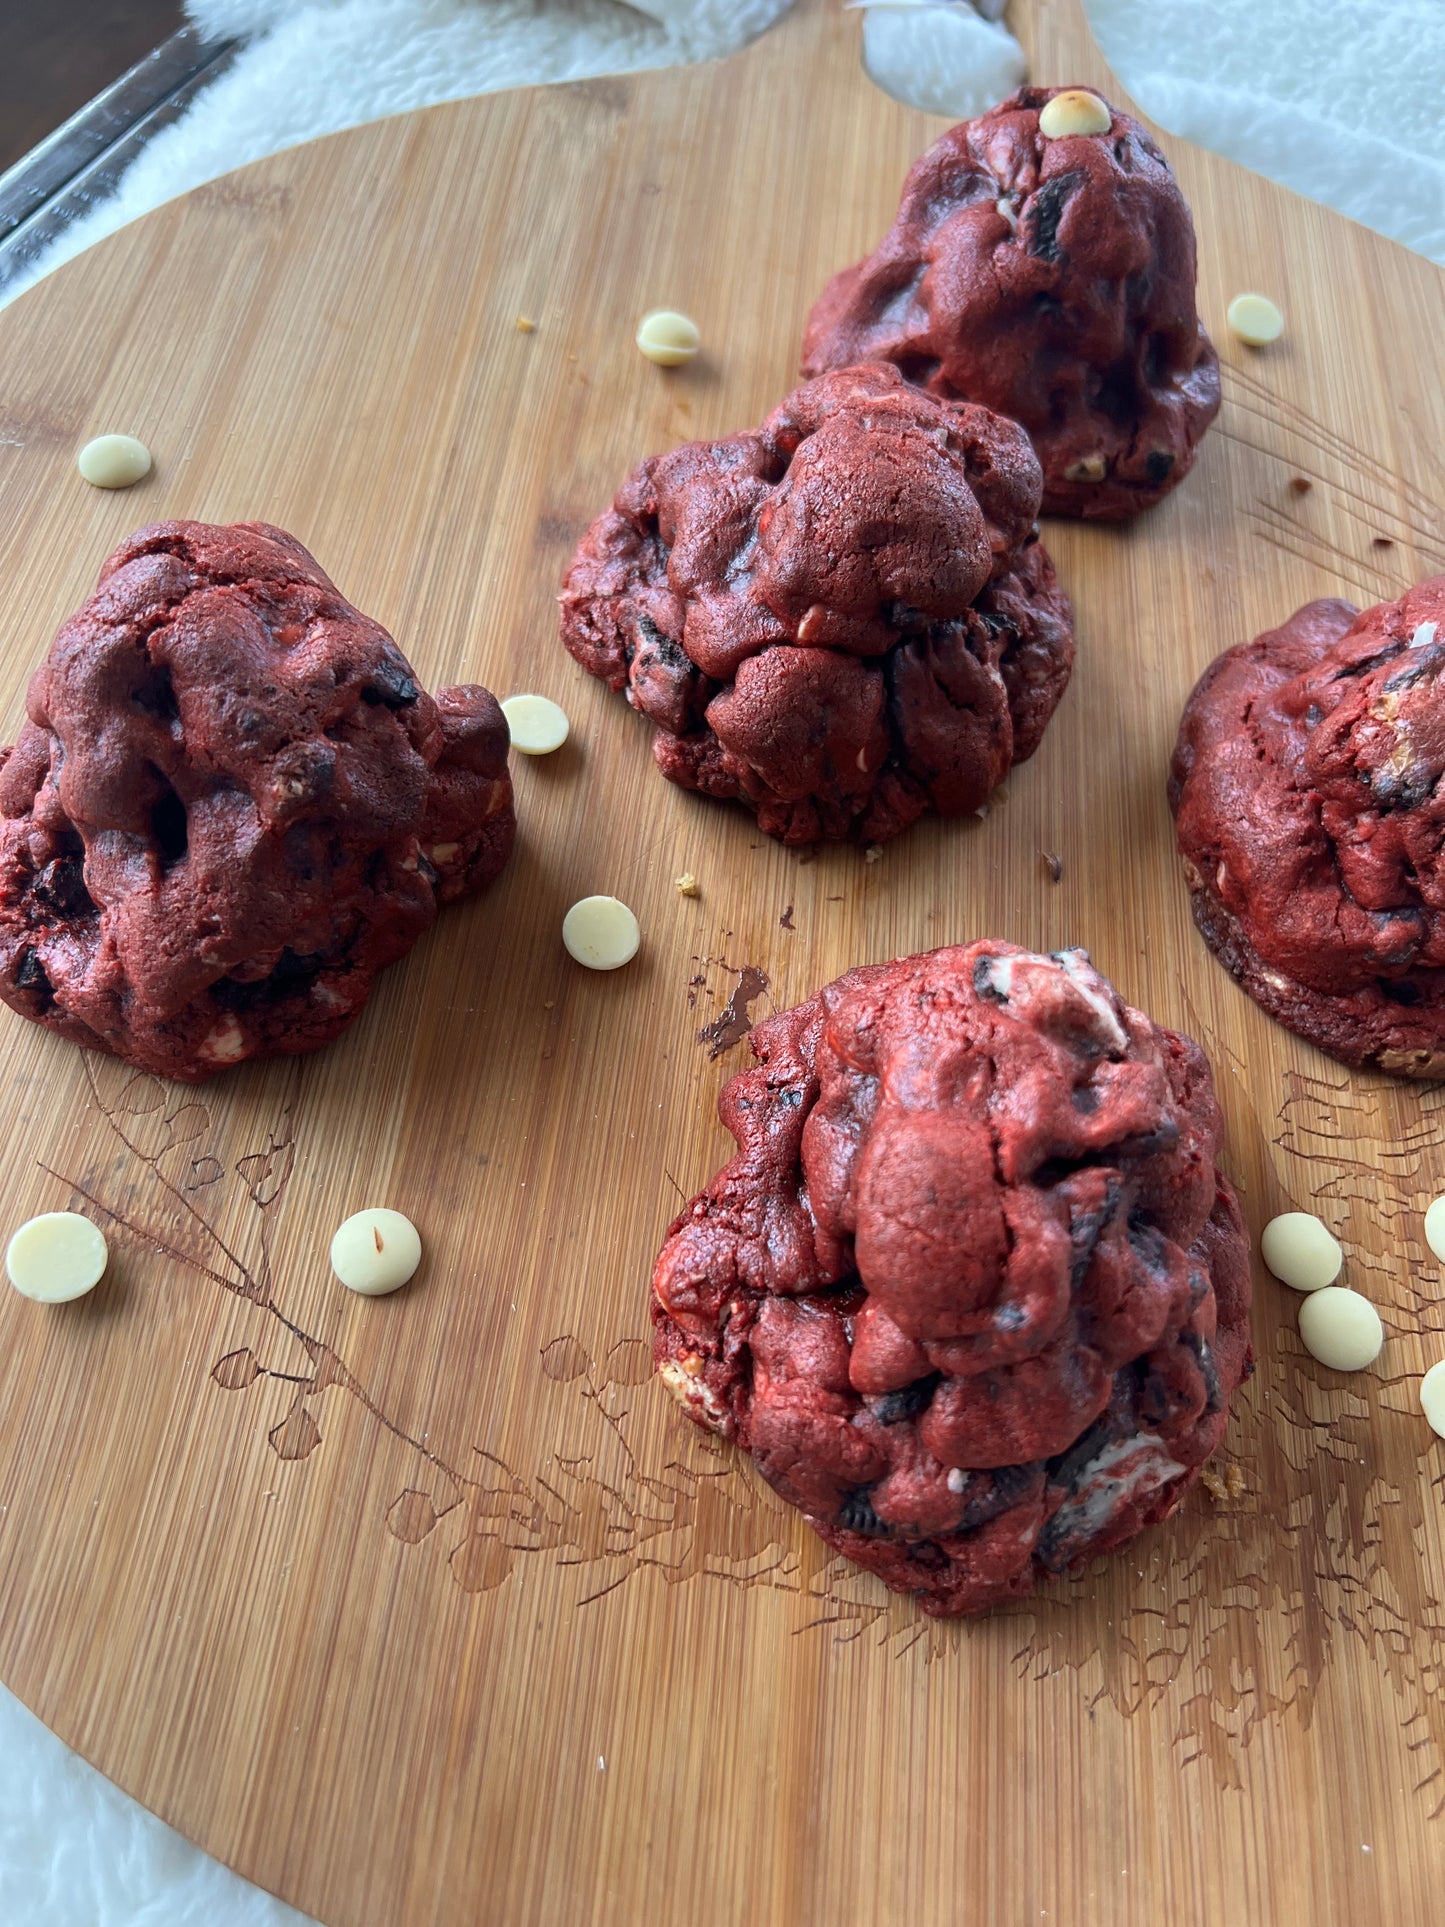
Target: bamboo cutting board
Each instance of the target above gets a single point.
(433, 1608)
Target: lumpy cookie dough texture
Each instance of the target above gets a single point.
(973, 1291)
(231, 806)
(841, 619)
(1053, 280)
(1310, 809)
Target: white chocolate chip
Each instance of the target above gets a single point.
(537, 724)
(1423, 636)
(667, 338)
(1097, 995)
(226, 1043)
(1302, 1252)
(1341, 1329)
(1093, 468)
(1074, 111)
(56, 1257)
(601, 933)
(957, 1479)
(1432, 1397)
(1255, 319)
(682, 1379)
(375, 1251)
(114, 461)
(1435, 1228)
(1009, 209)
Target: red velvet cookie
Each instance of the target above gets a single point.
(1053, 281)
(842, 619)
(973, 1292)
(1307, 788)
(231, 806)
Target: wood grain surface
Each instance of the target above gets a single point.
(433, 1609)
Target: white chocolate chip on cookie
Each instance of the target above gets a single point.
(1074, 111)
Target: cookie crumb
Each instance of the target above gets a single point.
(1054, 865)
(686, 885)
(524, 326)
(785, 921)
(873, 852)
(1299, 486)
(1382, 542)
(1223, 1487)
(1092, 468)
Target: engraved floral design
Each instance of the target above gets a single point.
(1312, 1542)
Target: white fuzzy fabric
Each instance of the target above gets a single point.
(77, 1852)
(321, 65)
(941, 55)
(1343, 100)
(1339, 98)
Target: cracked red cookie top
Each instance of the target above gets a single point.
(1053, 280)
(1310, 809)
(973, 1292)
(841, 619)
(231, 806)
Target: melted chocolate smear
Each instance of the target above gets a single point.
(785, 921)
(735, 1020)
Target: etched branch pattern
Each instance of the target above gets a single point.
(1311, 1545)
